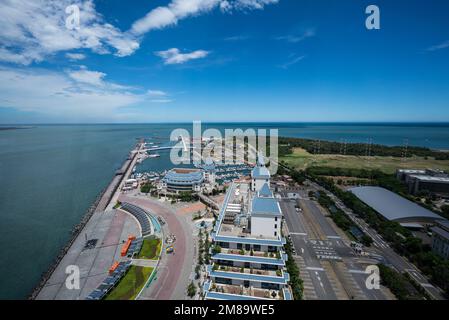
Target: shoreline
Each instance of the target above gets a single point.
(100, 203)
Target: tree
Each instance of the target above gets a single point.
(366, 240)
(191, 290)
(197, 271)
(146, 187)
(216, 249)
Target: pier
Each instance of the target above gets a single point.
(100, 224)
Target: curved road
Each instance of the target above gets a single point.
(171, 267)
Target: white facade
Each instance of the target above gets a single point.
(262, 226)
(258, 184)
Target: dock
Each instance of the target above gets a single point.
(101, 224)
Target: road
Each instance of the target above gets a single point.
(329, 267)
(174, 270)
(314, 270)
(400, 263)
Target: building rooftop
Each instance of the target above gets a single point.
(444, 224)
(441, 232)
(412, 171)
(392, 206)
(265, 191)
(265, 206)
(235, 213)
(184, 176)
(260, 173)
(428, 178)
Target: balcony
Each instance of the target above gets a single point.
(276, 259)
(248, 274)
(234, 292)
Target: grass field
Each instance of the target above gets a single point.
(151, 248)
(131, 284)
(301, 159)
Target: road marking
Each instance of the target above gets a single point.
(428, 285)
(357, 271)
(298, 233)
(314, 269)
(333, 237)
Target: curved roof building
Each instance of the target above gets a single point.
(183, 179)
(394, 207)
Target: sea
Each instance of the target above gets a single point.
(51, 174)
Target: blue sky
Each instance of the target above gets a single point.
(217, 60)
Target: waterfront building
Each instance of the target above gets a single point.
(181, 180)
(130, 184)
(440, 239)
(247, 257)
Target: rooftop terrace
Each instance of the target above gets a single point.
(233, 220)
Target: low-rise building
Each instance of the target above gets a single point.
(181, 180)
(434, 185)
(430, 180)
(189, 180)
(440, 238)
(130, 184)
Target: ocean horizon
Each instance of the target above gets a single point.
(55, 171)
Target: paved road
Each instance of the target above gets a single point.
(174, 270)
(400, 263)
(333, 269)
(312, 268)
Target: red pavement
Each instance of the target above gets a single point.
(168, 276)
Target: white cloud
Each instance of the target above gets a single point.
(237, 38)
(440, 46)
(32, 30)
(295, 59)
(161, 101)
(176, 10)
(298, 38)
(156, 93)
(174, 56)
(75, 56)
(80, 93)
(85, 76)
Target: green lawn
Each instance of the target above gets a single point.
(131, 284)
(301, 159)
(151, 248)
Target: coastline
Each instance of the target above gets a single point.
(100, 203)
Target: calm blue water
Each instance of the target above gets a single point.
(51, 174)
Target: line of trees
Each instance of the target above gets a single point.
(399, 284)
(400, 238)
(286, 145)
(340, 218)
(293, 270)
